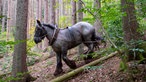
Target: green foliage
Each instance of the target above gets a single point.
(30, 44)
(63, 23)
(110, 16)
(111, 20)
(141, 8)
(135, 45)
(31, 61)
(93, 67)
(141, 15)
(6, 66)
(49, 63)
(9, 78)
(123, 66)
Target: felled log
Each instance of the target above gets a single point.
(78, 70)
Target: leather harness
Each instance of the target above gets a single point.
(55, 34)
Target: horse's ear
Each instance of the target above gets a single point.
(39, 23)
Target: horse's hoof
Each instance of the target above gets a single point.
(73, 65)
(58, 72)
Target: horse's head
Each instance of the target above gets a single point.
(40, 32)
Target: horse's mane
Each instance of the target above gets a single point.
(50, 25)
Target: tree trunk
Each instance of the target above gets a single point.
(52, 9)
(57, 12)
(130, 26)
(39, 17)
(4, 13)
(97, 23)
(19, 67)
(29, 18)
(144, 36)
(80, 17)
(129, 22)
(8, 20)
(0, 9)
(74, 17)
(13, 15)
(52, 6)
(46, 15)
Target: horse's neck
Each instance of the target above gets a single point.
(49, 33)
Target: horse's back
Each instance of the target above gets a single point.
(84, 27)
(82, 24)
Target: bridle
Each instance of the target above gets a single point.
(54, 36)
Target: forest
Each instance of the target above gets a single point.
(72, 40)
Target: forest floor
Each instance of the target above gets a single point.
(105, 71)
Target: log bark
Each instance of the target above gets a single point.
(78, 70)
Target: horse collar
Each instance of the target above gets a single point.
(55, 34)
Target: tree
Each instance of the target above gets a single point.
(19, 67)
(130, 25)
(57, 12)
(97, 23)
(39, 17)
(8, 19)
(52, 12)
(129, 22)
(0, 8)
(52, 8)
(4, 14)
(74, 17)
(46, 16)
(80, 17)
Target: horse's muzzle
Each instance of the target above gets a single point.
(37, 40)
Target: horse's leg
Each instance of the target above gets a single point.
(90, 50)
(69, 62)
(90, 47)
(59, 65)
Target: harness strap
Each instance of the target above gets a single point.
(55, 34)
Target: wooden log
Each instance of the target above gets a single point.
(78, 70)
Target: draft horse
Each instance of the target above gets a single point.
(61, 40)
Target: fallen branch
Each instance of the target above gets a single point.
(78, 70)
